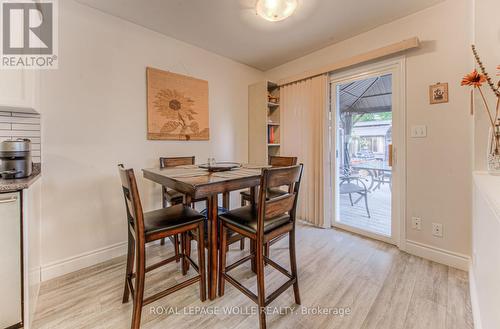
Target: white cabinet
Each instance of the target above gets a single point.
(19, 90)
(485, 269)
(20, 213)
(10, 260)
(31, 248)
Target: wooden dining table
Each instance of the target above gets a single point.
(198, 183)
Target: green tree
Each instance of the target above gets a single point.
(373, 117)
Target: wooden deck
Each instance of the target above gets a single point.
(379, 203)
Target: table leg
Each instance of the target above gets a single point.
(253, 195)
(212, 245)
(253, 247)
(372, 175)
(225, 200)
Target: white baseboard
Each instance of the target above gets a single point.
(476, 315)
(86, 259)
(438, 255)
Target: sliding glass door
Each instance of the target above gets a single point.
(365, 132)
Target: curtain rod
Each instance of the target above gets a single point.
(358, 59)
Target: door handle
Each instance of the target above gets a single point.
(394, 156)
(391, 155)
(12, 199)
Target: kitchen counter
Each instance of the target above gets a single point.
(11, 185)
(484, 268)
(489, 186)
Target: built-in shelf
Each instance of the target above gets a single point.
(264, 129)
(271, 85)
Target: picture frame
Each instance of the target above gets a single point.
(177, 106)
(438, 93)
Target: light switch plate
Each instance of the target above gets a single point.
(419, 131)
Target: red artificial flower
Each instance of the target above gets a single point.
(474, 79)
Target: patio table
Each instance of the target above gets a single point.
(374, 169)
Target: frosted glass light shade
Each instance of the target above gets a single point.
(276, 10)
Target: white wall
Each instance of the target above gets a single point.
(439, 166)
(94, 117)
(487, 41)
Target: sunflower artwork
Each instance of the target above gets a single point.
(177, 106)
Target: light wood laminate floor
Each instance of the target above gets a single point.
(382, 287)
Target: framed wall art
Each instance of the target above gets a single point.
(438, 93)
(177, 106)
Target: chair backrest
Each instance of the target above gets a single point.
(279, 161)
(283, 204)
(176, 161)
(135, 215)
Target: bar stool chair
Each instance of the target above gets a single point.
(272, 218)
(145, 227)
(274, 161)
(172, 197)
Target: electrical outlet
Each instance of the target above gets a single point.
(437, 229)
(418, 131)
(416, 223)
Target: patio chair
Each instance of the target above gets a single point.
(354, 185)
(382, 178)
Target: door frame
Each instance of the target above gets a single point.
(397, 67)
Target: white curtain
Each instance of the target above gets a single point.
(304, 120)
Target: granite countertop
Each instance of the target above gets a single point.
(12, 185)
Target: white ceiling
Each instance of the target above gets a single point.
(232, 29)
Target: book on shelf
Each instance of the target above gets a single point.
(271, 135)
(273, 99)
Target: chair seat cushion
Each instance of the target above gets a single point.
(271, 193)
(246, 219)
(170, 218)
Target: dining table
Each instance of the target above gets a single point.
(199, 183)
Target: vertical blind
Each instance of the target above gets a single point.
(305, 135)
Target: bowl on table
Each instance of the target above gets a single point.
(220, 166)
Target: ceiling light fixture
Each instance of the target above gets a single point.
(275, 10)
